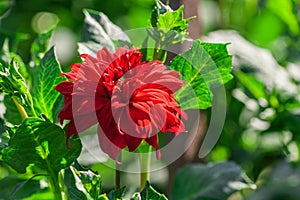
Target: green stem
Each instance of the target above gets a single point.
(20, 108)
(118, 173)
(159, 53)
(55, 186)
(145, 165)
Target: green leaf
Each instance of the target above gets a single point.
(99, 32)
(71, 184)
(149, 193)
(58, 105)
(203, 66)
(257, 88)
(13, 84)
(87, 181)
(174, 21)
(40, 46)
(2, 127)
(11, 114)
(47, 76)
(284, 9)
(169, 26)
(159, 9)
(211, 181)
(12, 187)
(136, 196)
(40, 142)
(116, 194)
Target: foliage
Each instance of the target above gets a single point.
(260, 140)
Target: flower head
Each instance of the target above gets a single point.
(130, 100)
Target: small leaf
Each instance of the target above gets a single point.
(46, 78)
(87, 181)
(116, 194)
(211, 181)
(13, 84)
(40, 46)
(71, 185)
(136, 196)
(158, 10)
(203, 66)
(169, 27)
(149, 193)
(40, 142)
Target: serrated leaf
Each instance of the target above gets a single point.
(149, 193)
(87, 181)
(211, 181)
(13, 84)
(40, 46)
(173, 20)
(47, 76)
(40, 142)
(203, 66)
(170, 27)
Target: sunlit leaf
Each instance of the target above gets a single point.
(203, 66)
(47, 76)
(40, 142)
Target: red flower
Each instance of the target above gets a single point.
(131, 100)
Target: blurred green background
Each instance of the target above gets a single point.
(262, 126)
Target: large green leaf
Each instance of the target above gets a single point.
(203, 66)
(149, 193)
(99, 32)
(47, 76)
(208, 182)
(40, 142)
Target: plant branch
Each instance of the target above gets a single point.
(145, 164)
